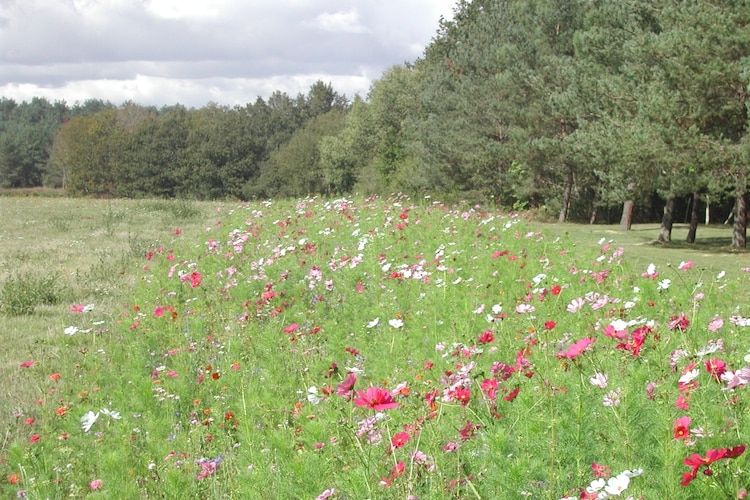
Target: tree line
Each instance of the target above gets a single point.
(570, 107)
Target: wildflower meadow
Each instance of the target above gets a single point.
(388, 348)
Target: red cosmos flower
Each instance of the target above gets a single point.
(462, 395)
(486, 337)
(577, 348)
(376, 398)
(549, 325)
(400, 439)
(556, 290)
(489, 386)
(716, 367)
(195, 279)
(682, 402)
(468, 430)
(695, 461)
(680, 322)
(600, 470)
(682, 428)
(513, 394)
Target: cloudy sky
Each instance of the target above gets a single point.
(198, 51)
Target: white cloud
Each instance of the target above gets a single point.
(340, 22)
(189, 51)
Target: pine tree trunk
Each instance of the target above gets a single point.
(627, 215)
(667, 220)
(693, 218)
(739, 232)
(566, 196)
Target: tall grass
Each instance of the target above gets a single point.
(381, 348)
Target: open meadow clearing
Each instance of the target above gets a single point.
(365, 348)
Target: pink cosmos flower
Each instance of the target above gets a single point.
(736, 378)
(684, 266)
(27, 364)
(291, 328)
(577, 348)
(95, 484)
(575, 305)
(376, 398)
(326, 494)
(715, 324)
(346, 388)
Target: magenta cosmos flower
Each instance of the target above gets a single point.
(376, 398)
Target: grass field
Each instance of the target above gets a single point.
(379, 348)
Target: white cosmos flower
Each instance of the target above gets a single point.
(373, 323)
(71, 330)
(112, 414)
(312, 395)
(599, 380)
(689, 376)
(616, 485)
(88, 419)
(396, 323)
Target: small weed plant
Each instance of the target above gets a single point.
(383, 348)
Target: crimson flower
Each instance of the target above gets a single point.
(400, 439)
(716, 367)
(680, 322)
(462, 395)
(512, 395)
(696, 461)
(376, 398)
(486, 337)
(682, 428)
(489, 386)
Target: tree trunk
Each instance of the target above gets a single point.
(566, 196)
(665, 233)
(627, 215)
(693, 218)
(592, 220)
(739, 232)
(708, 210)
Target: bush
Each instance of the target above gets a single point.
(21, 294)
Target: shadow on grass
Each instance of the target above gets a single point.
(712, 245)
